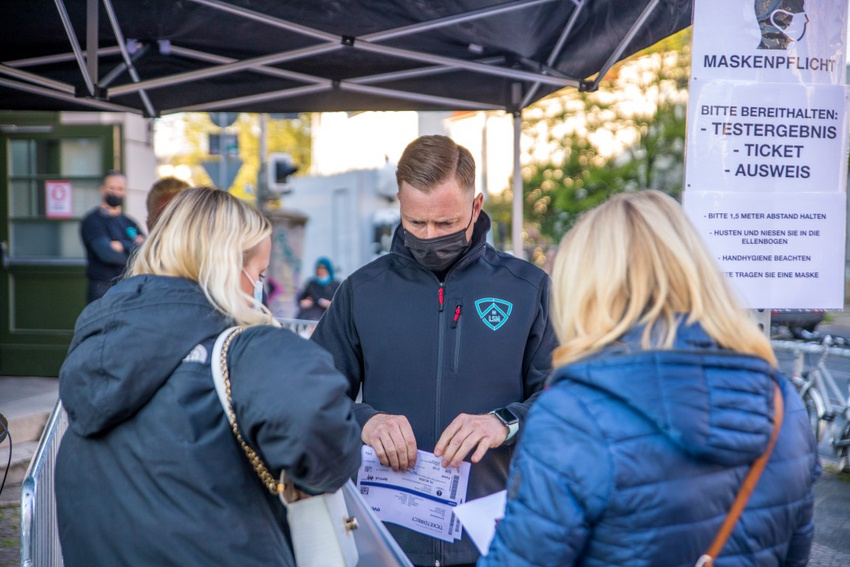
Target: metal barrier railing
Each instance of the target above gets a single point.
(810, 348)
(39, 532)
(39, 529)
(300, 327)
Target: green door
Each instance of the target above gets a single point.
(51, 176)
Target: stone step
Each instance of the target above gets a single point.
(26, 403)
(27, 423)
(22, 454)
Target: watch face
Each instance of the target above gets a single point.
(506, 415)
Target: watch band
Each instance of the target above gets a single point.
(513, 427)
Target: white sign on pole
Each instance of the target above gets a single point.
(770, 41)
(782, 251)
(766, 137)
(58, 203)
(767, 146)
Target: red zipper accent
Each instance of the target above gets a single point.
(441, 297)
(457, 316)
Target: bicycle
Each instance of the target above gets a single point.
(828, 409)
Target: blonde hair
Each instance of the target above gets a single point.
(207, 235)
(637, 260)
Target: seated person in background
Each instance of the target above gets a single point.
(318, 292)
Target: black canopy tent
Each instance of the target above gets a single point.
(157, 57)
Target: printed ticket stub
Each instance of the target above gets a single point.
(421, 499)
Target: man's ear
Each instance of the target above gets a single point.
(477, 204)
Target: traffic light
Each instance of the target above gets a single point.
(280, 167)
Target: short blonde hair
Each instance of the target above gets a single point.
(207, 235)
(431, 160)
(637, 260)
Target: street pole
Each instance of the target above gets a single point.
(262, 178)
(516, 215)
(222, 165)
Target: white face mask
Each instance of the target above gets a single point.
(258, 287)
(796, 28)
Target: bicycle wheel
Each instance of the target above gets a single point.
(841, 449)
(815, 409)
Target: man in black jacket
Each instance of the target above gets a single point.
(449, 338)
(109, 237)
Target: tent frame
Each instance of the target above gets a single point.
(98, 89)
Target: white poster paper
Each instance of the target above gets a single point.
(480, 518)
(786, 41)
(779, 252)
(766, 137)
(767, 146)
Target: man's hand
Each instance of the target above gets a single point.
(392, 439)
(116, 245)
(306, 302)
(139, 238)
(466, 432)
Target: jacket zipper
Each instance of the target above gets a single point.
(456, 326)
(456, 317)
(438, 548)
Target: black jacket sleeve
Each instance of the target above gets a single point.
(291, 407)
(337, 333)
(537, 358)
(95, 235)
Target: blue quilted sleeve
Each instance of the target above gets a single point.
(561, 478)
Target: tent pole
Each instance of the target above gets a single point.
(615, 56)
(125, 55)
(516, 215)
(75, 45)
(91, 39)
(35, 89)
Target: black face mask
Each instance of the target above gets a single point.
(113, 200)
(437, 254)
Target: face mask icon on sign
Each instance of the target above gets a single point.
(795, 27)
(780, 22)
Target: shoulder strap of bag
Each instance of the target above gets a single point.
(221, 378)
(747, 488)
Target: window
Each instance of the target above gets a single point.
(32, 162)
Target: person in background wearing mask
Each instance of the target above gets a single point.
(161, 193)
(109, 236)
(318, 292)
(449, 338)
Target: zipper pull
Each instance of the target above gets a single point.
(456, 317)
(442, 289)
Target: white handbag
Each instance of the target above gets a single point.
(322, 529)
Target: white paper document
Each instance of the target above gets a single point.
(422, 499)
(480, 516)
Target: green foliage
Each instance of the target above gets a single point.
(627, 136)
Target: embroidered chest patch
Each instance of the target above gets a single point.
(493, 312)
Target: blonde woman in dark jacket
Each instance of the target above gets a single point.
(661, 399)
(149, 472)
